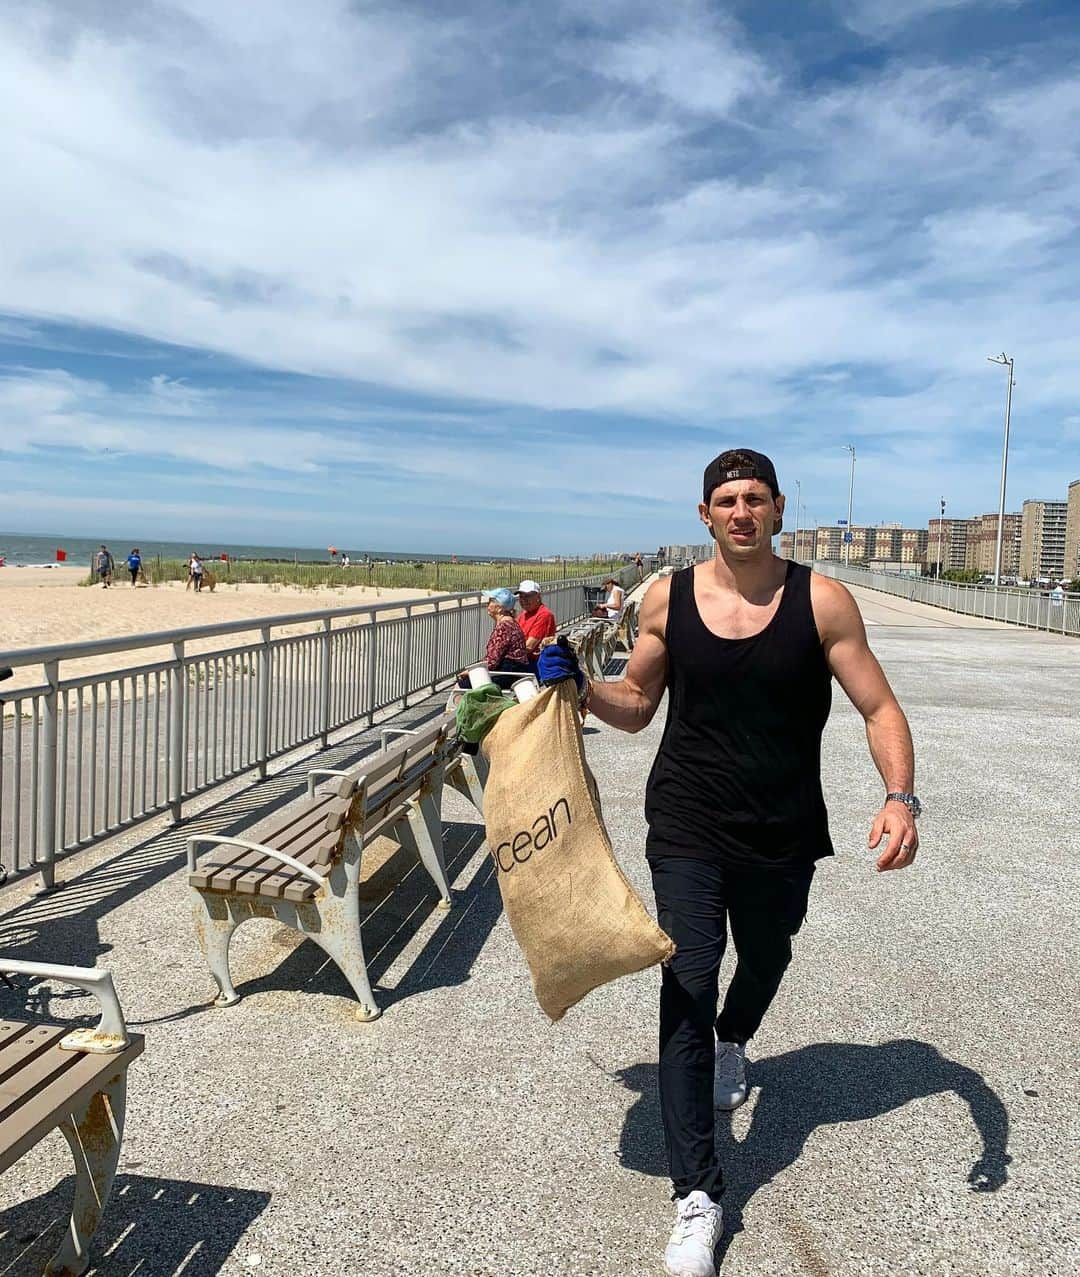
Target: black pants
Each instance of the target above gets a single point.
(695, 899)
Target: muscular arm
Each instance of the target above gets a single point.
(843, 638)
(631, 703)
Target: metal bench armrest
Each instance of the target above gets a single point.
(111, 1032)
(387, 732)
(218, 839)
(323, 771)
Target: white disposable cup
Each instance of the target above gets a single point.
(526, 688)
(479, 676)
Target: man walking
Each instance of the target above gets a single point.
(103, 565)
(747, 646)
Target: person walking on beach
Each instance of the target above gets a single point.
(746, 646)
(134, 564)
(195, 567)
(104, 564)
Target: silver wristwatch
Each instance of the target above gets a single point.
(910, 802)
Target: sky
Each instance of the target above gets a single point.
(503, 277)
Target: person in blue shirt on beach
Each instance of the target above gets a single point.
(134, 564)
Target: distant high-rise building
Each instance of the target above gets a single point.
(787, 545)
(1072, 532)
(946, 545)
(828, 544)
(913, 542)
(982, 544)
(884, 542)
(862, 544)
(1042, 539)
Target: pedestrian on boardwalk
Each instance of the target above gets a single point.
(196, 569)
(537, 620)
(746, 646)
(134, 564)
(104, 565)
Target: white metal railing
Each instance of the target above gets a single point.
(86, 756)
(1058, 613)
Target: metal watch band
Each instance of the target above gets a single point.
(909, 801)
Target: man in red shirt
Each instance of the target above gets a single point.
(537, 621)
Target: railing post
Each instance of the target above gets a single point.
(177, 723)
(372, 668)
(262, 726)
(47, 779)
(324, 683)
(408, 655)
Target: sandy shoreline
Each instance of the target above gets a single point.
(43, 606)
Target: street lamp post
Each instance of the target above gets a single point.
(850, 494)
(798, 494)
(1007, 363)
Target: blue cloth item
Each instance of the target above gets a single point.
(558, 662)
(502, 596)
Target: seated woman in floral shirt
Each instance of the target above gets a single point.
(506, 650)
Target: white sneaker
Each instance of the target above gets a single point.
(699, 1222)
(729, 1080)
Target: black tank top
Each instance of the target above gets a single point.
(737, 778)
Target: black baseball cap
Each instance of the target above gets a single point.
(739, 463)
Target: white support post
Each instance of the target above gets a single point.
(324, 683)
(46, 856)
(262, 726)
(177, 721)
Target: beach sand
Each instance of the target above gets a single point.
(44, 606)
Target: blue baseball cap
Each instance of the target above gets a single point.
(503, 596)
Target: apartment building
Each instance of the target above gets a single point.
(913, 545)
(862, 545)
(828, 544)
(884, 542)
(1042, 539)
(982, 544)
(1072, 532)
(946, 545)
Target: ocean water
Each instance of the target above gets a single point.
(21, 549)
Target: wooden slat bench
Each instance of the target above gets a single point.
(302, 864)
(54, 1077)
(627, 629)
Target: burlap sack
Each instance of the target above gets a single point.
(577, 919)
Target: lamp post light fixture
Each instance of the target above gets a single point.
(795, 544)
(850, 494)
(1007, 363)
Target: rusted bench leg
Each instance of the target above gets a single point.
(467, 775)
(334, 924)
(94, 1134)
(214, 926)
(425, 823)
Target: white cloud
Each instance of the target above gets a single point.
(666, 226)
(880, 18)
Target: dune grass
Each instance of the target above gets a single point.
(440, 577)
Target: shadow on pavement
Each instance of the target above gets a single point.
(396, 899)
(814, 1086)
(150, 1225)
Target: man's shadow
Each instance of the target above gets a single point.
(816, 1086)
